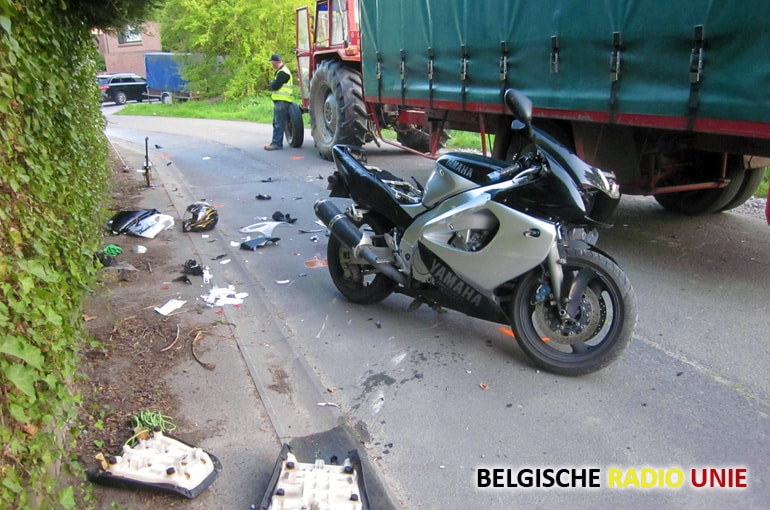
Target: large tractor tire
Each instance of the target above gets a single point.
(337, 109)
(705, 166)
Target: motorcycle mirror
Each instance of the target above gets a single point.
(521, 107)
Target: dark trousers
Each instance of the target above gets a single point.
(280, 108)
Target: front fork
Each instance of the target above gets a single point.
(568, 299)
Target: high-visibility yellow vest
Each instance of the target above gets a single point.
(285, 92)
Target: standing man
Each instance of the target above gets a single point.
(281, 96)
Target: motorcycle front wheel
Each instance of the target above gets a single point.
(355, 278)
(600, 328)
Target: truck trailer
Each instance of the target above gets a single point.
(164, 76)
(674, 97)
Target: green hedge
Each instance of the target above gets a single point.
(52, 187)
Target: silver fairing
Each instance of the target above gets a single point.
(515, 244)
(443, 183)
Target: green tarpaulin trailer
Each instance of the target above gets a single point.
(673, 96)
(667, 64)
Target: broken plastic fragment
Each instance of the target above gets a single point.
(220, 296)
(258, 242)
(122, 220)
(264, 227)
(170, 306)
(151, 226)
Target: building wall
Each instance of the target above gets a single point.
(125, 54)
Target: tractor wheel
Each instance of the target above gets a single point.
(337, 109)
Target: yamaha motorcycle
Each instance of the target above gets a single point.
(511, 242)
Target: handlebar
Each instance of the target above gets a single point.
(505, 173)
(521, 171)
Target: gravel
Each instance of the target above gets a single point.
(754, 207)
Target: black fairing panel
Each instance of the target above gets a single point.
(554, 194)
(367, 190)
(473, 167)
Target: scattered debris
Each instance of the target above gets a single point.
(281, 217)
(152, 225)
(263, 196)
(220, 296)
(483, 386)
(258, 242)
(198, 336)
(200, 217)
(120, 221)
(142, 222)
(192, 267)
(310, 485)
(160, 463)
(113, 250)
(176, 338)
(170, 306)
(184, 279)
(263, 227)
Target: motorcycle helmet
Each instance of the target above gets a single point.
(199, 217)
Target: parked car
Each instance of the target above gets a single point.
(122, 87)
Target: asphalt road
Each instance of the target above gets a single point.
(690, 393)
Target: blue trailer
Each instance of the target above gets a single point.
(164, 79)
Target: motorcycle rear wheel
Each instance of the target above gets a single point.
(600, 330)
(355, 278)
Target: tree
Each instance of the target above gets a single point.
(109, 15)
(235, 39)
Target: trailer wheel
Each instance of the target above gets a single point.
(705, 166)
(337, 109)
(751, 182)
(295, 128)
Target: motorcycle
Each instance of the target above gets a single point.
(512, 242)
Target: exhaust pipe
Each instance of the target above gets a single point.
(348, 234)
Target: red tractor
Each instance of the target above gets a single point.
(329, 67)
